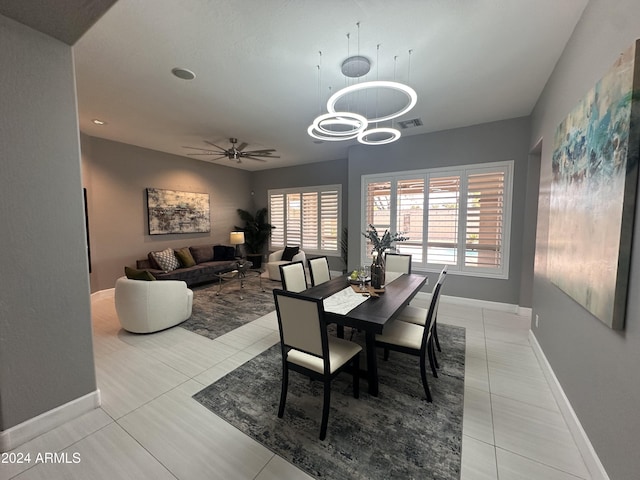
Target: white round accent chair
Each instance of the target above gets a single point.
(149, 306)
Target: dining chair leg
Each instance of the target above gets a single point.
(325, 409)
(434, 332)
(386, 354)
(432, 359)
(423, 375)
(283, 391)
(356, 376)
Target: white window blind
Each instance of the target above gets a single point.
(444, 207)
(485, 220)
(309, 217)
(453, 216)
(410, 216)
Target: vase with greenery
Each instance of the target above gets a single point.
(380, 244)
(256, 233)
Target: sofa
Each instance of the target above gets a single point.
(146, 307)
(192, 265)
(290, 254)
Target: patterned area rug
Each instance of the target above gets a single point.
(395, 435)
(214, 315)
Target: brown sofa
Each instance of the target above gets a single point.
(209, 261)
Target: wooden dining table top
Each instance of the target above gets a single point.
(376, 311)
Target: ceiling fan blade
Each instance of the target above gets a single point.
(208, 154)
(242, 146)
(211, 143)
(265, 155)
(217, 158)
(197, 148)
(266, 150)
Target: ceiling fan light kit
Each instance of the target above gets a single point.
(336, 126)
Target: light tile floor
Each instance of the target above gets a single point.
(150, 427)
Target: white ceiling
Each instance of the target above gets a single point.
(472, 61)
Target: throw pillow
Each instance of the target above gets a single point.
(185, 257)
(134, 274)
(289, 253)
(219, 253)
(166, 260)
(202, 253)
(231, 253)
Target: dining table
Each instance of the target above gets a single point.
(367, 312)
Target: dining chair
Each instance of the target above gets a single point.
(418, 315)
(397, 262)
(309, 350)
(413, 340)
(293, 277)
(319, 270)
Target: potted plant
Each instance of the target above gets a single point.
(379, 245)
(256, 234)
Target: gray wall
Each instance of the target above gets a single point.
(116, 176)
(490, 142)
(46, 353)
(597, 367)
(312, 174)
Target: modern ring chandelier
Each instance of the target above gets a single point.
(340, 124)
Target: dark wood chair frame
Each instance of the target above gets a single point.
(309, 260)
(283, 276)
(425, 352)
(353, 365)
(390, 254)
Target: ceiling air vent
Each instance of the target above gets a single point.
(415, 122)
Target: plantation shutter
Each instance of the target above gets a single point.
(276, 213)
(293, 220)
(308, 217)
(309, 221)
(485, 220)
(410, 216)
(443, 214)
(378, 208)
(329, 208)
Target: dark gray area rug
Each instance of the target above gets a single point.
(395, 435)
(214, 315)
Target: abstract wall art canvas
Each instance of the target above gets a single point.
(171, 211)
(593, 193)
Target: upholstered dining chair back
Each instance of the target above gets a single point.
(397, 262)
(293, 277)
(319, 270)
(299, 323)
(308, 349)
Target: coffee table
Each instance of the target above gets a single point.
(241, 272)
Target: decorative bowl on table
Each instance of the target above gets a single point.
(355, 281)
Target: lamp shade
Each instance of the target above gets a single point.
(236, 238)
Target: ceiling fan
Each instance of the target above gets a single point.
(235, 153)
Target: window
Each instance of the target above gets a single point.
(452, 216)
(309, 217)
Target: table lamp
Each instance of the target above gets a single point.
(237, 239)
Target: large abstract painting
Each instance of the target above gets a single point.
(593, 194)
(171, 211)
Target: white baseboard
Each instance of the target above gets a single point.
(99, 295)
(595, 467)
(36, 426)
(473, 302)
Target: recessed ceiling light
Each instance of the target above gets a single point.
(183, 73)
(97, 121)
